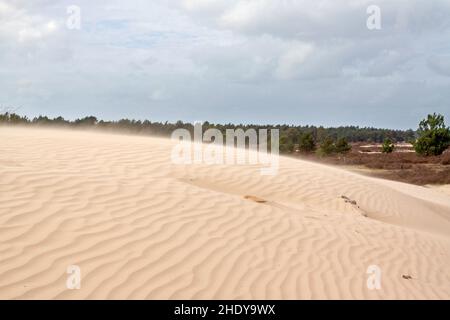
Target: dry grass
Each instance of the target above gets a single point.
(400, 166)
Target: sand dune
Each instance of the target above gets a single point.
(140, 227)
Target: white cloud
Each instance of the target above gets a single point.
(158, 95)
(291, 62)
(440, 64)
(322, 19)
(196, 58)
(205, 6)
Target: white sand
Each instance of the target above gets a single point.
(140, 227)
(442, 188)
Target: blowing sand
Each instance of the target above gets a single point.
(140, 227)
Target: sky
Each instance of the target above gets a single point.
(242, 61)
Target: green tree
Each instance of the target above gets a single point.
(327, 147)
(284, 144)
(87, 121)
(342, 146)
(434, 136)
(388, 146)
(307, 143)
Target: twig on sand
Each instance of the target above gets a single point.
(348, 200)
(255, 199)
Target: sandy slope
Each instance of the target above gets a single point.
(142, 227)
(442, 188)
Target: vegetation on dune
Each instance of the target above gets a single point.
(431, 140)
(290, 136)
(434, 136)
(307, 143)
(388, 146)
(342, 146)
(327, 147)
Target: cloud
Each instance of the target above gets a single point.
(227, 60)
(291, 61)
(440, 64)
(319, 19)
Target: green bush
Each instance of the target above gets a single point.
(285, 145)
(327, 147)
(434, 136)
(342, 146)
(307, 143)
(388, 146)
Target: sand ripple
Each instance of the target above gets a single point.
(142, 228)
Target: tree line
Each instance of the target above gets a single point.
(432, 131)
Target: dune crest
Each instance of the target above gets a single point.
(140, 227)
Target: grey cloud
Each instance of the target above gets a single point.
(228, 60)
(440, 64)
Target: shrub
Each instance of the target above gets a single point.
(434, 136)
(327, 147)
(342, 146)
(388, 146)
(285, 144)
(307, 143)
